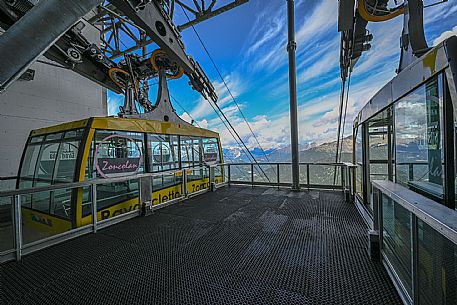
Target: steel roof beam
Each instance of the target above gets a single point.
(32, 35)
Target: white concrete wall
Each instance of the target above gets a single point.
(55, 95)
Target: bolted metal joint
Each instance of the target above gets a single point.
(291, 46)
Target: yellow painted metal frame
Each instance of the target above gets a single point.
(128, 125)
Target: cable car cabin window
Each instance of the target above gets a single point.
(163, 155)
(210, 151)
(114, 154)
(190, 152)
(419, 140)
(50, 160)
(163, 152)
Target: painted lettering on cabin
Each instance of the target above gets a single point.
(105, 214)
(121, 156)
(120, 165)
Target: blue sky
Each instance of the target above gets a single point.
(248, 45)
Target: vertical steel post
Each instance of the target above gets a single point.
(94, 207)
(307, 175)
(277, 173)
(291, 48)
(252, 174)
(212, 178)
(229, 173)
(376, 206)
(411, 171)
(184, 183)
(18, 226)
(343, 186)
(380, 220)
(414, 258)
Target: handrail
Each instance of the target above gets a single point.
(438, 216)
(87, 183)
(144, 199)
(394, 235)
(286, 163)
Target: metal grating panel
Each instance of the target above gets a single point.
(239, 245)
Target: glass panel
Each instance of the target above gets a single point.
(359, 161)
(437, 276)
(211, 151)
(115, 154)
(28, 166)
(285, 173)
(419, 140)
(166, 180)
(379, 127)
(37, 139)
(37, 224)
(6, 224)
(45, 165)
(397, 239)
(240, 172)
(198, 173)
(265, 173)
(190, 151)
(54, 136)
(86, 206)
(198, 179)
(115, 193)
(166, 187)
(220, 173)
(60, 203)
(66, 162)
(324, 175)
(74, 134)
(303, 174)
(43, 176)
(163, 152)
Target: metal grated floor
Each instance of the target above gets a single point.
(239, 245)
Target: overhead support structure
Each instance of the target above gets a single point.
(203, 13)
(55, 29)
(291, 49)
(355, 38)
(413, 44)
(31, 37)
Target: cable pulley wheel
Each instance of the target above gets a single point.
(120, 77)
(368, 16)
(156, 65)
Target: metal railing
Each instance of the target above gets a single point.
(313, 175)
(17, 239)
(15, 242)
(417, 239)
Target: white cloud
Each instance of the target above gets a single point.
(321, 20)
(236, 86)
(445, 35)
(317, 56)
(114, 101)
(186, 117)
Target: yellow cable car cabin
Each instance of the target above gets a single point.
(103, 148)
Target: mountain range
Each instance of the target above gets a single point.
(309, 152)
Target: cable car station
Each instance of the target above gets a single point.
(144, 208)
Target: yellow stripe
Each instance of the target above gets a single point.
(60, 127)
(140, 125)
